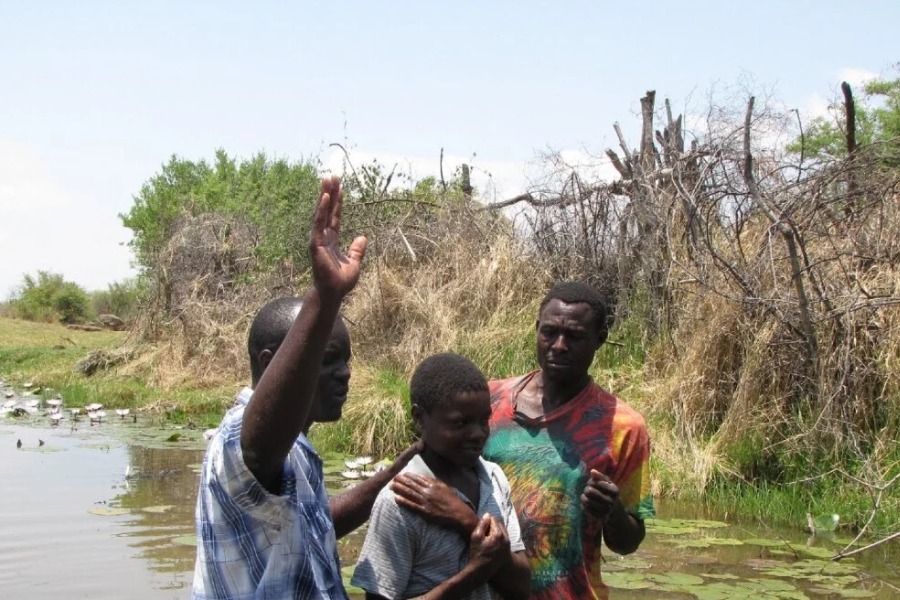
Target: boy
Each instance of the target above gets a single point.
(405, 556)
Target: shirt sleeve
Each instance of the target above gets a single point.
(386, 559)
(232, 480)
(633, 473)
(510, 518)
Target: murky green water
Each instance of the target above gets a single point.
(74, 526)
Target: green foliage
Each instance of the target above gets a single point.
(121, 298)
(275, 195)
(48, 297)
(877, 122)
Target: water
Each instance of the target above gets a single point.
(55, 546)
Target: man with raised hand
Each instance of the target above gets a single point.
(265, 526)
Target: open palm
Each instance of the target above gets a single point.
(334, 272)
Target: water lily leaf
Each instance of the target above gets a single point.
(665, 530)
(815, 551)
(108, 511)
(185, 540)
(174, 437)
(843, 593)
(675, 578)
(725, 576)
(158, 509)
(624, 580)
(766, 543)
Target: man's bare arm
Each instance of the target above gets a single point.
(284, 394)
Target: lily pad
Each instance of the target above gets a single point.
(162, 508)
(843, 593)
(625, 580)
(108, 511)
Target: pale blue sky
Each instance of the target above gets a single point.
(96, 95)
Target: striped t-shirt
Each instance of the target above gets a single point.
(404, 556)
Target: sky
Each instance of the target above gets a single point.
(96, 96)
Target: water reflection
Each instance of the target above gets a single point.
(160, 490)
(52, 547)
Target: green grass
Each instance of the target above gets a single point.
(46, 354)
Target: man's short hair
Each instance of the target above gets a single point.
(269, 328)
(573, 292)
(441, 377)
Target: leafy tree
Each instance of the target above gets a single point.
(877, 123)
(49, 297)
(274, 194)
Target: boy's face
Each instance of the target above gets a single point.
(457, 429)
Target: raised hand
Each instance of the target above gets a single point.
(334, 273)
(435, 501)
(600, 495)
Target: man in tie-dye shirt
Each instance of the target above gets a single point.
(576, 456)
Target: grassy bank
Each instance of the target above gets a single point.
(47, 354)
(376, 418)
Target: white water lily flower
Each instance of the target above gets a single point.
(56, 418)
(123, 412)
(352, 464)
(364, 460)
(75, 411)
(27, 385)
(94, 406)
(54, 403)
(9, 394)
(9, 404)
(32, 403)
(350, 474)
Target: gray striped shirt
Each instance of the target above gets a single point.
(404, 556)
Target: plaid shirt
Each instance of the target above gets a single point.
(252, 544)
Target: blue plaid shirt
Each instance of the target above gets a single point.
(252, 544)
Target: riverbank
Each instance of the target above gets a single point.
(376, 422)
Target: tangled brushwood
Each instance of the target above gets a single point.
(762, 281)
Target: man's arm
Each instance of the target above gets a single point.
(622, 531)
(351, 509)
(436, 502)
(284, 395)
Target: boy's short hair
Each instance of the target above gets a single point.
(441, 377)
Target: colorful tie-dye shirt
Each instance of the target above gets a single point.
(548, 461)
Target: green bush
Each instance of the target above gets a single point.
(121, 298)
(49, 297)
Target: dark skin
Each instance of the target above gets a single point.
(289, 389)
(454, 433)
(567, 339)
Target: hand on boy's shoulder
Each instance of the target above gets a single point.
(434, 501)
